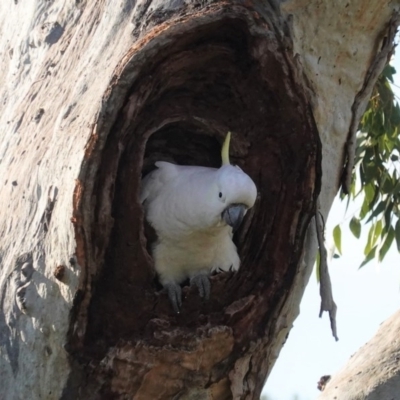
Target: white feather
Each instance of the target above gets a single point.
(184, 205)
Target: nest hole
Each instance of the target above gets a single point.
(183, 144)
(211, 80)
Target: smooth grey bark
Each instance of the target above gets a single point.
(373, 372)
(88, 92)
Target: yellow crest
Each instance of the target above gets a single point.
(225, 150)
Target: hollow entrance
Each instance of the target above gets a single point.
(204, 83)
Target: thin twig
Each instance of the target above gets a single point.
(363, 96)
(325, 286)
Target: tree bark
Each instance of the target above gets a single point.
(93, 93)
(373, 373)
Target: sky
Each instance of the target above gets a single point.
(365, 298)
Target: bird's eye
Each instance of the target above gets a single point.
(220, 194)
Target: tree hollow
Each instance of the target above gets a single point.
(220, 75)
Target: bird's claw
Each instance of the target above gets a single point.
(175, 296)
(203, 284)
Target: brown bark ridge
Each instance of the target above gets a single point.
(93, 93)
(373, 372)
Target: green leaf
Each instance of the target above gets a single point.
(388, 213)
(370, 256)
(386, 244)
(369, 245)
(397, 234)
(337, 238)
(387, 185)
(371, 171)
(388, 72)
(378, 210)
(364, 209)
(355, 227)
(395, 117)
(369, 192)
(377, 231)
(396, 189)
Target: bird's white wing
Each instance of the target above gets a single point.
(154, 182)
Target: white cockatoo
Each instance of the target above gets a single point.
(194, 212)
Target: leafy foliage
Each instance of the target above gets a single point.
(377, 172)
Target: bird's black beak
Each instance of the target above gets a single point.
(233, 215)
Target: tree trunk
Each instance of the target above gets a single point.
(93, 93)
(373, 373)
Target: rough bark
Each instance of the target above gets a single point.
(92, 94)
(373, 373)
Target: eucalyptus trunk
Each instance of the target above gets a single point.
(92, 94)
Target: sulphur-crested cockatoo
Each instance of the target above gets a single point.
(194, 211)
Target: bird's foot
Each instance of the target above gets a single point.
(202, 282)
(175, 295)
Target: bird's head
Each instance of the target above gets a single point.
(236, 190)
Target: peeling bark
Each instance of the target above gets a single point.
(327, 302)
(93, 94)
